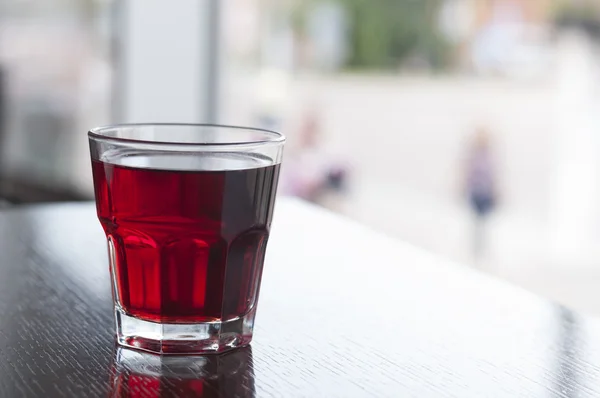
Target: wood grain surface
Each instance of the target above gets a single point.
(344, 312)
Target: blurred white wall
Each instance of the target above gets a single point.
(162, 65)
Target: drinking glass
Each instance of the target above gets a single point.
(187, 211)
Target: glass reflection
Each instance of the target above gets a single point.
(140, 374)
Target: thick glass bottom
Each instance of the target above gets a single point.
(181, 338)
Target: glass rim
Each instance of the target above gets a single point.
(271, 137)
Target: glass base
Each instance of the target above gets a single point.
(182, 338)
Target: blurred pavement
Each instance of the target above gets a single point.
(405, 138)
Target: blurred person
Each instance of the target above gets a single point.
(309, 171)
(480, 185)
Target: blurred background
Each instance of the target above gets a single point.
(470, 128)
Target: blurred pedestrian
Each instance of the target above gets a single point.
(310, 171)
(480, 186)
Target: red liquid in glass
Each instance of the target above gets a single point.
(188, 245)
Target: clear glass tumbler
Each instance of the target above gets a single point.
(187, 211)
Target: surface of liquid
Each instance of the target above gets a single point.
(187, 233)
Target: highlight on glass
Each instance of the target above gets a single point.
(187, 212)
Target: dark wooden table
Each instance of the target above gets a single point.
(344, 312)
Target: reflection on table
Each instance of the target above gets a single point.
(140, 374)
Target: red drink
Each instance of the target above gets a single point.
(187, 210)
(188, 232)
